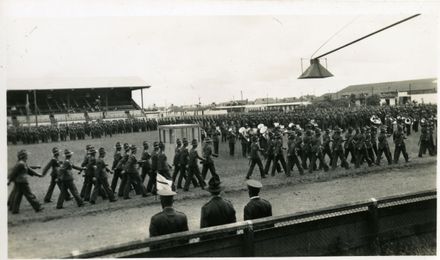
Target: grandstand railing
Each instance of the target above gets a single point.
(361, 228)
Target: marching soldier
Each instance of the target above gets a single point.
(193, 168)
(292, 155)
(87, 180)
(131, 170)
(254, 158)
(21, 185)
(231, 141)
(53, 164)
(217, 211)
(116, 171)
(151, 186)
(256, 207)
(383, 147)
(169, 220)
(361, 151)
(399, 141)
(183, 163)
(316, 152)
(326, 140)
(208, 162)
(374, 139)
(216, 139)
(307, 149)
(176, 162)
(101, 179)
(369, 145)
(67, 183)
(244, 144)
(121, 166)
(338, 151)
(278, 154)
(90, 165)
(162, 165)
(349, 145)
(146, 165)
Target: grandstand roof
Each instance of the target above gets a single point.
(404, 85)
(76, 83)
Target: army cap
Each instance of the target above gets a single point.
(166, 193)
(133, 147)
(194, 142)
(144, 143)
(156, 144)
(88, 146)
(55, 150)
(101, 150)
(21, 154)
(178, 141)
(91, 151)
(67, 152)
(254, 184)
(185, 141)
(126, 145)
(118, 145)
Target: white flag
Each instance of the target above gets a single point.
(163, 183)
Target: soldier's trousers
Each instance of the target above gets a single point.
(144, 173)
(269, 160)
(209, 166)
(244, 149)
(313, 158)
(387, 152)
(370, 153)
(216, 147)
(135, 179)
(193, 171)
(124, 179)
(180, 174)
(362, 154)
(231, 149)
(327, 152)
(350, 151)
(151, 185)
(276, 159)
(338, 154)
(86, 189)
(23, 189)
(251, 168)
(116, 177)
(183, 176)
(292, 161)
(424, 145)
(68, 186)
(102, 184)
(11, 197)
(375, 148)
(52, 187)
(400, 149)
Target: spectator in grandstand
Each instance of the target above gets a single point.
(217, 211)
(21, 185)
(256, 207)
(169, 220)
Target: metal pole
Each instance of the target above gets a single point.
(142, 99)
(368, 35)
(35, 107)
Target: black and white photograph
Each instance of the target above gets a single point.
(219, 128)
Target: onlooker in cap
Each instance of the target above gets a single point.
(217, 211)
(256, 207)
(169, 220)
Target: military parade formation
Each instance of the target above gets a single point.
(276, 142)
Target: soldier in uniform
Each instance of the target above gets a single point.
(338, 151)
(278, 154)
(146, 165)
(116, 171)
(369, 145)
(183, 164)
(208, 162)
(244, 144)
(292, 156)
(254, 158)
(21, 185)
(326, 140)
(169, 220)
(349, 145)
(151, 186)
(162, 164)
(256, 207)
(383, 147)
(101, 179)
(231, 141)
(217, 211)
(121, 166)
(131, 170)
(216, 139)
(399, 141)
(176, 161)
(193, 168)
(53, 164)
(307, 149)
(67, 181)
(361, 151)
(316, 152)
(90, 164)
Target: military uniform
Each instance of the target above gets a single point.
(231, 141)
(278, 155)
(67, 183)
(400, 146)
(255, 159)
(101, 179)
(217, 211)
(338, 151)
(193, 168)
(208, 163)
(53, 164)
(117, 172)
(292, 156)
(167, 222)
(383, 147)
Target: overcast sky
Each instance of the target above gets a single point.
(213, 52)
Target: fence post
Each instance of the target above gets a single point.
(373, 221)
(248, 240)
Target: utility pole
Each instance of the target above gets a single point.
(241, 94)
(35, 107)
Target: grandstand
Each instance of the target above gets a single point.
(64, 100)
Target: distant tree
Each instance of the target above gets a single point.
(373, 100)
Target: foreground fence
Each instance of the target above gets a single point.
(356, 229)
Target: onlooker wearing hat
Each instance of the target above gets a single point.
(53, 164)
(256, 207)
(208, 162)
(193, 168)
(18, 175)
(117, 156)
(217, 211)
(383, 147)
(101, 181)
(66, 179)
(254, 158)
(169, 220)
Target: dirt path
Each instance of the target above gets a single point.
(59, 237)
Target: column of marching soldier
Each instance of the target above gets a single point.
(304, 149)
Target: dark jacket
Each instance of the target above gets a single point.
(217, 211)
(66, 171)
(168, 221)
(53, 164)
(20, 171)
(257, 208)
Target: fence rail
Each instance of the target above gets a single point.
(354, 228)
